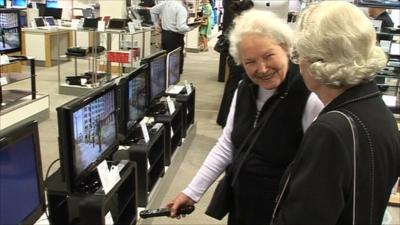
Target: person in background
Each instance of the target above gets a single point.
(328, 182)
(236, 72)
(382, 15)
(205, 29)
(173, 25)
(272, 101)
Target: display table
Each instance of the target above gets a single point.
(34, 40)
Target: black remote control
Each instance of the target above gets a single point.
(165, 212)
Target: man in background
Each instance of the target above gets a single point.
(170, 17)
(382, 15)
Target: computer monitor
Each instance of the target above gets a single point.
(117, 24)
(22, 199)
(3, 3)
(173, 65)
(157, 64)
(51, 3)
(145, 16)
(278, 7)
(133, 100)
(90, 23)
(10, 31)
(50, 20)
(41, 8)
(19, 3)
(56, 13)
(87, 128)
(39, 22)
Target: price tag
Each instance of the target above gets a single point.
(171, 105)
(188, 87)
(104, 174)
(3, 81)
(4, 59)
(101, 25)
(145, 131)
(108, 220)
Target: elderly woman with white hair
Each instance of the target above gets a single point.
(349, 158)
(269, 113)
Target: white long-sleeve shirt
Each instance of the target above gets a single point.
(220, 155)
(173, 16)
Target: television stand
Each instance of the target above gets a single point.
(149, 158)
(92, 207)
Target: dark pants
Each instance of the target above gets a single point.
(170, 41)
(253, 200)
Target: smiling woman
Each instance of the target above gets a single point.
(269, 113)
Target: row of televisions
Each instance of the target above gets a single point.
(90, 127)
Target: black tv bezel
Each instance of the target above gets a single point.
(178, 51)
(377, 3)
(12, 135)
(18, 49)
(55, 12)
(66, 137)
(123, 109)
(148, 60)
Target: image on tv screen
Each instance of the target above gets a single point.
(136, 98)
(51, 3)
(157, 76)
(18, 181)
(2, 3)
(94, 130)
(19, 3)
(9, 32)
(173, 68)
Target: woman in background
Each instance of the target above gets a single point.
(205, 29)
(329, 183)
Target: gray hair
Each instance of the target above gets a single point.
(263, 23)
(339, 41)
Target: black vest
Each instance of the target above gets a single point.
(281, 136)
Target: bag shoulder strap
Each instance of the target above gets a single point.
(355, 150)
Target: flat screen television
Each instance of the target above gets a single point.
(3, 3)
(19, 3)
(87, 129)
(22, 199)
(51, 3)
(157, 64)
(10, 31)
(279, 7)
(173, 65)
(56, 13)
(133, 100)
(379, 3)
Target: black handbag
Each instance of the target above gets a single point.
(222, 44)
(221, 200)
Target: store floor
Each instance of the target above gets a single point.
(201, 69)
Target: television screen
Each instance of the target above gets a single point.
(379, 3)
(173, 64)
(87, 133)
(3, 3)
(19, 3)
(10, 31)
(133, 99)
(22, 198)
(56, 13)
(41, 8)
(51, 3)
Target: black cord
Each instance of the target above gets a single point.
(47, 176)
(51, 165)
